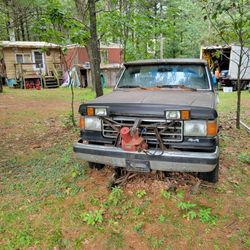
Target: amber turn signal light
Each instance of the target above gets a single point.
(185, 115)
(90, 111)
(212, 128)
(82, 123)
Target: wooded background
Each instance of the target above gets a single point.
(146, 29)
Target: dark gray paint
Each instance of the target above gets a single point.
(163, 96)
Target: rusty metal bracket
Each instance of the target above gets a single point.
(111, 124)
(158, 137)
(136, 124)
(167, 126)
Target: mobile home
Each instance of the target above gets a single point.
(32, 64)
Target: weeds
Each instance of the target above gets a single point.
(22, 239)
(245, 158)
(116, 196)
(162, 218)
(190, 215)
(67, 120)
(137, 211)
(115, 241)
(140, 209)
(94, 201)
(77, 171)
(165, 194)
(185, 205)
(247, 243)
(180, 194)
(78, 242)
(138, 227)
(126, 207)
(140, 193)
(93, 217)
(155, 242)
(205, 216)
(56, 239)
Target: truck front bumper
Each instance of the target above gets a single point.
(181, 161)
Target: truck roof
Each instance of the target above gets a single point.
(167, 61)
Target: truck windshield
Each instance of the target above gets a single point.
(165, 76)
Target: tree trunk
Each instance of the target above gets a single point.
(238, 104)
(27, 29)
(16, 25)
(239, 88)
(155, 28)
(94, 52)
(10, 24)
(1, 84)
(22, 28)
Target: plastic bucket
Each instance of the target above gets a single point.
(227, 89)
(11, 82)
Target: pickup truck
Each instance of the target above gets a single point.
(161, 116)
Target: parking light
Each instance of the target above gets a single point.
(90, 111)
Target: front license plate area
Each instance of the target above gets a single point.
(137, 166)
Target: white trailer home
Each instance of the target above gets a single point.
(225, 59)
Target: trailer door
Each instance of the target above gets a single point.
(234, 61)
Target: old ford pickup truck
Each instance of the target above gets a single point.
(160, 116)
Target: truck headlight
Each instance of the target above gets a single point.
(93, 123)
(101, 112)
(177, 114)
(173, 115)
(98, 111)
(195, 128)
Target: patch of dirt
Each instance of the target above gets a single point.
(26, 125)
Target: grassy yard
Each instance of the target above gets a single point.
(50, 200)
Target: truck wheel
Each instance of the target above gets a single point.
(97, 166)
(234, 85)
(212, 176)
(244, 85)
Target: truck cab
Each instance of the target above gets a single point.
(160, 116)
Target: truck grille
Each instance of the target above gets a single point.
(170, 131)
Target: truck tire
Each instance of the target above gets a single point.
(212, 176)
(97, 166)
(244, 85)
(234, 85)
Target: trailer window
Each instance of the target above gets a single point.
(23, 58)
(19, 58)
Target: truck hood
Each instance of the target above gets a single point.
(204, 99)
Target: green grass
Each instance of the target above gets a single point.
(49, 199)
(54, 94)
(228, 102)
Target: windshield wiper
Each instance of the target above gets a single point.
(165, 86)
(131, 86)
(181, 86)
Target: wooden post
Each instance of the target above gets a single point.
(40, 75)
